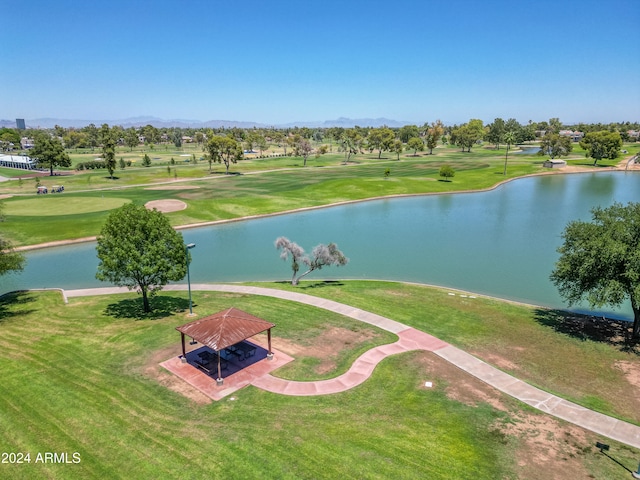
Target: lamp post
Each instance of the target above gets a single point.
(186, 253)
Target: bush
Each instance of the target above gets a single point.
(447, 172)
(91, 165)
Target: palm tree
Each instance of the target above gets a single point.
(509, 139)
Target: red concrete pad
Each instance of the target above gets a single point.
(208, 385)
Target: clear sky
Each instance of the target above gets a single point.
(281, 61)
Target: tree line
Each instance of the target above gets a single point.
(364, 138)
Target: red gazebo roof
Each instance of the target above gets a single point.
(225, 328)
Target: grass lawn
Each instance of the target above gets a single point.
(550, 349)
(258, 186)
(84, 377)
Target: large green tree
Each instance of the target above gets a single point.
(349, 141)
(108, 149)
(407, 132)
(225, 150)
(301, 148)
(603, 144)
(510, 138)
(92, 135)
(496, 132)
(49, 152)
(131, 138)
(381, 139)
(415, 144)
(600, 260)
(140, 250)
(433, 134)
(9, 136)
(10, 260)
(555, 145)
(467, 135)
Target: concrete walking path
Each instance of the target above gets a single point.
(409, 339)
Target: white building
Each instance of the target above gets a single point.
(17, 161)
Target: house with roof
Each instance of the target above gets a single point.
(17, 161)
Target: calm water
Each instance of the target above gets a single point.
(501, 243)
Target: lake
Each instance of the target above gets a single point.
(500, 243)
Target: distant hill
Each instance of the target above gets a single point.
(182, 123)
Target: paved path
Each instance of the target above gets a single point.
(411, 339)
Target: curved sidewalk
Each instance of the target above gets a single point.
(410, 339)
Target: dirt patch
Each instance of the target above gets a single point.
(499, 361)
(153, 370)
(546, 448)
(166, 206)
(326, 346)
(631, 372)
(549, 449)
(5, 196)
(173, 187)
(460, 386)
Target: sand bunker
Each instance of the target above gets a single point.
(166, 206)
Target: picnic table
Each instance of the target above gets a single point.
(247, 350)
(207, 358)
(241, 350)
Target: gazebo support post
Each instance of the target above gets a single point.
(219, 379)
(269, 352)
(184, 351)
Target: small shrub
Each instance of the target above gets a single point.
(447, 172)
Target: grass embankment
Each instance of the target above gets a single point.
(552, 350)
(259, 186)
(84, 378)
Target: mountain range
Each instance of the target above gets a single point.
(182, 123)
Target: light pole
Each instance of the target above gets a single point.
(186, 254)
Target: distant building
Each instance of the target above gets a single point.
(20, 124)
(26, 143)
(574, 136)
(554, 163)
(17, 161)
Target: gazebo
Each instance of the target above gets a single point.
(224, 329)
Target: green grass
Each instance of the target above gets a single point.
(84, 378)
(49, 206)
(74, 380)
(531, 343)
(257, 187)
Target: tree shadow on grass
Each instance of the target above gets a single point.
(318, 284)
(224, 173)
(162, 306)
(616, 333)
(12, 304)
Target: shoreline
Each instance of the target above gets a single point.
(59, 243)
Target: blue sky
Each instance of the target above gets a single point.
(284, 61)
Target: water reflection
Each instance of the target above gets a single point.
(501, 243)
